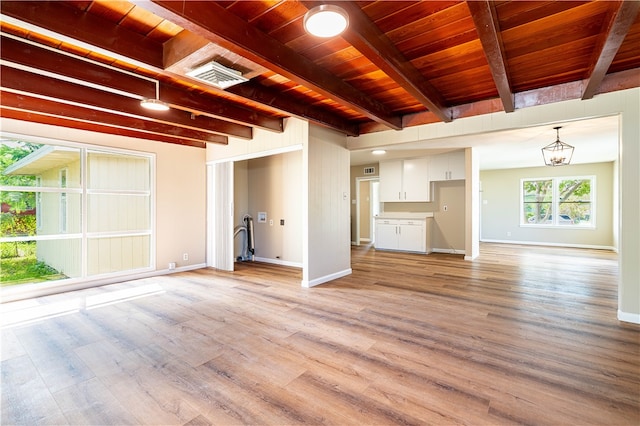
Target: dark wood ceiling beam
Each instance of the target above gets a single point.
(211, 107)
(31, 55)
(611, 37)
(35, 117)
(543, 96)
(206, 105)
(68, 92)
(27, 104)
(486, 22)
(56, 62)
(215, 23)
(274, 99)
(85, 27)
(366, 37)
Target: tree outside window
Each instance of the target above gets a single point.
(563, 201)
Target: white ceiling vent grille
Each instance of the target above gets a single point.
(217, 75)
(369, 170)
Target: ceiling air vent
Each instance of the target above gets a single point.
(217, 75)
(369, 170)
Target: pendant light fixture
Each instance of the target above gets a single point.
(326, 20)
(155, 104)
(557, 153)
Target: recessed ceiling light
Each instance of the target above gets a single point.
(154, 104)
(378, 152)
(326, 20)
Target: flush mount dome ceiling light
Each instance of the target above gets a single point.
(326, 20)
(557, 153)
(154, 104)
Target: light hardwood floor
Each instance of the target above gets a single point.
(522, 335)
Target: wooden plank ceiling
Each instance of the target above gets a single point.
(86, 64)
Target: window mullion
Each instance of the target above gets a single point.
(555, 191)
(83, 216)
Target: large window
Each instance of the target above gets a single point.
(558, 202)
(73, 212)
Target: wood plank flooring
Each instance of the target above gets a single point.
(522, 335)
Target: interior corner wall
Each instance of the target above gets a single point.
(275, 187)
(328, 248)
(448, 229)
(501, 207)
(180, 188)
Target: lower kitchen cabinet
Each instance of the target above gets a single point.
(403, 235)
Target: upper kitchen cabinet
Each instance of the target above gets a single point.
(449, 166)
(404, 180)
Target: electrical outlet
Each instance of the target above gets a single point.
(282, 222)
(185, 256)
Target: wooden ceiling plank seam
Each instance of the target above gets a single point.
(34, 117)
(236, 35)
(368, 39)
(486, 22)
(64, 91)
(26, 103)
(607, 46)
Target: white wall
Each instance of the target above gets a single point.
(324, 201)
(274, 186)
(240, 200)
(625, 103)
(328, 248)
(264, 142)
(501, 207)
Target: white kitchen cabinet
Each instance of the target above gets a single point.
(386, 237)
(403, 234)
(449, 166)
(390, 174)
(404, 180)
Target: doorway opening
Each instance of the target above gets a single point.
(367, 207)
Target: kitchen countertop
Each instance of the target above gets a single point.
(404, 215)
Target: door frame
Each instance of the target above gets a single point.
(358, 207)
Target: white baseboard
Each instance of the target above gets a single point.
(278, 262)
(629, 317)
(543, 243)
(448, 251)
(27, 291)
(181, 269)
(326, 278)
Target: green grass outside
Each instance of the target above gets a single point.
(19, 265)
